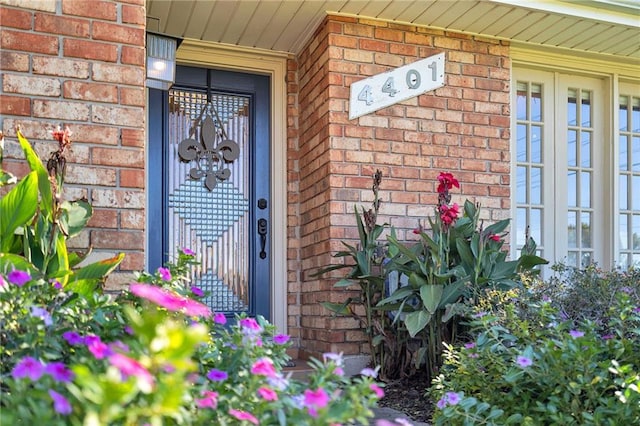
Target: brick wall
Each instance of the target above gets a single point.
(461, 128)
(81, 64)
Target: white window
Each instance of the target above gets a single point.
(576, 166)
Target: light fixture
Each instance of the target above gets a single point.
(161, 60)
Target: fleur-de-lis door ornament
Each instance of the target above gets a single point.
(210, 159)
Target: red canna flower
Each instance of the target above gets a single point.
(447, 181)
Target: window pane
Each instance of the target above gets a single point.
(624, 232)
(572, 110)
(535, 189)
(522, 142)
(624, 151)
(586, 259)
(572, 229)
(585, 228)
(572, 189)
(536, 102)
(635, 115)
(636, 260)
(624, 192)
(635, 154)
(623, 112)
(572, 259)
(535, 228)
(585, 189)
(521, 101)
(536, 144)
(521, 226)
(522, 185)
(585, 113)
(635, 232)
(585, 149)
(635, 189)
(572, 148)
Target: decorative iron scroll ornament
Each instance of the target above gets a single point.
(210, 159)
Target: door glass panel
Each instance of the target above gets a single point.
(585, 149)
(572, 148)
(536, 185)
(635, 232)
(585, 112)
(572, 228)
(536, 102)
(572, 107)
(585, 229)
(521, 101)
(635, 154)
(208, 203)
(522, 142)
(572, 190)
(624, 152)
(585, 190)
(624, 232)
(635, 114)
(536, 144)
(623, 112)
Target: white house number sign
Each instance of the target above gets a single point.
(382, 90)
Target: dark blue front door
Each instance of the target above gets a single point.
(210, 138)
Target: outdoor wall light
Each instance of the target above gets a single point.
(161, 60)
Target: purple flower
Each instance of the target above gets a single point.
(98, 348)
(470, 345)
(441, 403)
(216, 375)
(479, 314)
(452, 398)
(523, 361)
(28, 367)
(59, 372)
(56, 284)
(170, 300)
(60, 403)
(73, 338)
(369, 372)
(576, 333)
(278, 381)
(197, 291)
(280, 339)
(188, 251)
(19, 278)
(331, 356)
(165, 274)
(636, 309)
(608, 336)
(219, 318)
(128, 330)
(43, 314)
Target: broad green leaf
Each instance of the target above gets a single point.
(98, 270)
(416, 321)
(529, 261)
(338, 308)
(504, 270)
(62, 260)
(465, 254)
(497, 227)
(452, 292)
(417, 280)
(431, 296)
(399, 294)
(46, 200)
(78, 214)
(402, 248)
(363, 262)
(361, 232)
(17, 208)
(10, 262)
(344, 283)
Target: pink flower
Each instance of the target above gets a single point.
(188, 251)
(250, 325)
(280, 339)
(131, 367)
(447, 181)
(377, 390)
(63, 137)
(170, 300)
(494, 237)
(165, 274)
(18, 278)
(197, 291)
(28, 367)
(59, 372)
(60, 403)
(316, 399)
(209, 400)
(263, 367)
(220, 318)
(243, 415)
(268, 394)
(98, 348)
(523, 361)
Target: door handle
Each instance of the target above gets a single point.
(262, 231)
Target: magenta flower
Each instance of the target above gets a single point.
(523, 361)
(220, 318)
(28, 367)
(197, 291)
(56, 284)
(188, 251)
(18, 278)
(446, 182)
(2, 282)
(216, 375)
(59, 372)
(494, 237)
(250, 325)
(131, 367)
(243, 415)
(377, 390)
(170, 300)
(576, 333)
(165, 274)
(128, 330)
(60, 403)
(316, 399)
(209, 400)
(73, 338)
(267, 394)
(97, 347)
(280, 339)
(263, 367)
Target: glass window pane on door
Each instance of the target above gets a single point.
(208, 184)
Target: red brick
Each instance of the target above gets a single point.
(132, 96)
(91, 9)
(104, 135)
(132, 219)
(118, 157)
(114, 198)
(119, 74)
(133, 14)
(132, 262)
(14, 61)
(90, 91)
(15, 105)
(116, 115)
(28, 42)
(60, 67)
(132, 55)
(403, 49)
(103, 218)
(25, 85)
(118, 33)
(132, 178)
(65, 25)
(60, 110)
(90, 50)
(15, 18)
(111, 239)
(133, 137)
(92, 175)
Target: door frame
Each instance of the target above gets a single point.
(274, 64)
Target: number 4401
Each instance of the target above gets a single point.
(413, 80)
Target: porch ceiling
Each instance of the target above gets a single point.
(610, 27)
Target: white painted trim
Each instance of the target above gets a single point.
(216, 55)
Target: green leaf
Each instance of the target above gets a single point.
(46, 200)
(529, 261)
(416, 321)
(431, 296)
(401, 293)
(62, 259)
(77, 215)
(17, 208)
(497, 227)
(10, 261)
(452, 292)
(344, 283)
(100, 269)
(338, 308)
(465, 254)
